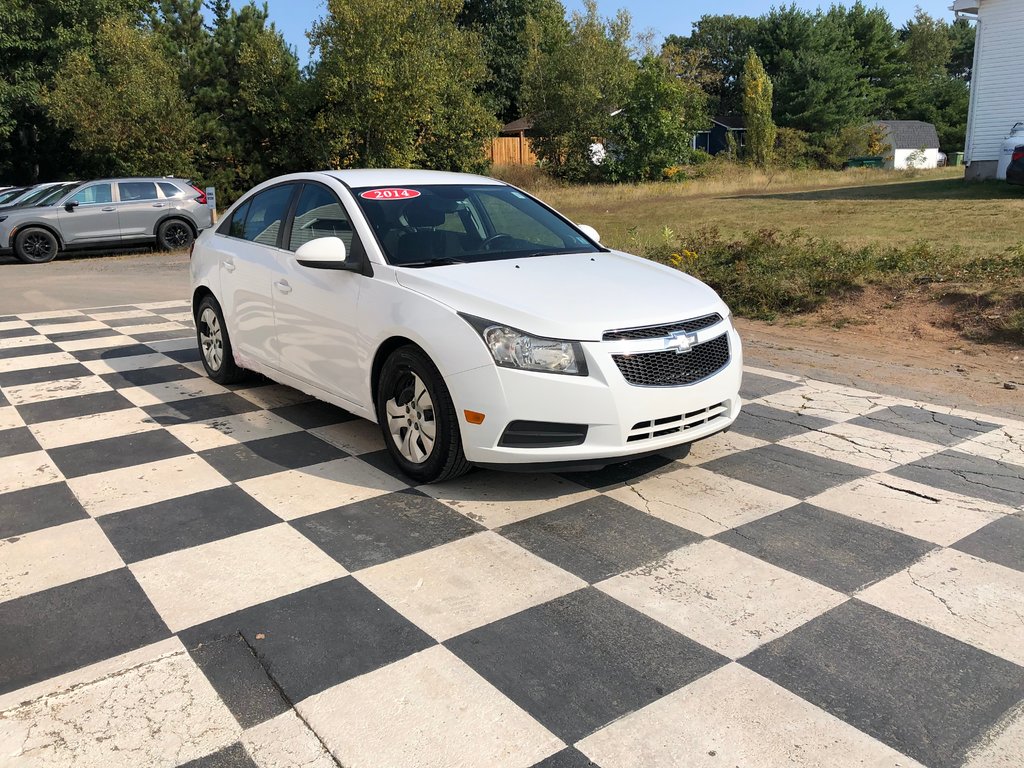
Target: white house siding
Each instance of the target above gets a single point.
(996, 102)
(901, 157)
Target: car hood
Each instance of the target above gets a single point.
(569, 296)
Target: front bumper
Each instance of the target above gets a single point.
(622, 420)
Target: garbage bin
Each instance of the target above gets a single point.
(956, 158)
(864, 162)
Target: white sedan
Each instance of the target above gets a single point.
(472, 322)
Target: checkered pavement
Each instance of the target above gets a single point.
(207, 576)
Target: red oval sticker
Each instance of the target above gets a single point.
(390, 193)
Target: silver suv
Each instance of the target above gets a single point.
(109, 212)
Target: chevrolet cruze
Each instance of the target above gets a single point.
(472, 322)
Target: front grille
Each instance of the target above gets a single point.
(670, 425)
(658, 331)
(673, 369)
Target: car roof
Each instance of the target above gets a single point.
(386, 177)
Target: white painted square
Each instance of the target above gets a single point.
(735, 717)
(10, 418)
(21, 342)
(356, 437)
(161, 713)
(1005, 444)
(28, 362)
(827, 401)
(721, 597)
(862, 446)
(27, 470)
(54, 390)
(286, 741)
(494, 499)
(129, 363)
(467, 583)
(717, 446)
(231, 430)
(53, 556)
(973, 600)
(194, 585)
(701, 501)
(273, 396)
(428, 710)
(123, 314)
(84, 325)
(1002, 747)
(299, 492)
(133, 330)
(121, 489)
(94, 426)
(103, 342)
(171, 391)
(51, 314)
(173, 345)
(10, 325)
(928, 513)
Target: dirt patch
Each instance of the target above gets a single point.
(905, 344)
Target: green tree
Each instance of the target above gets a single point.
(659, 116)
(397, 84)
(577, 76)
(757, 110)
(123, 106)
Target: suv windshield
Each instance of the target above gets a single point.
(450, 224)
(55, 194)
(36, 197)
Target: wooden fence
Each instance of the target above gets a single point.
(511, 150)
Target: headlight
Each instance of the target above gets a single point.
(511, 348)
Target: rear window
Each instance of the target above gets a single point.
(136, 190)
(170, 190)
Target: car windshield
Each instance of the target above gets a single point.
(55, 194)
(37, 195)
(10, 194)
(433, 225)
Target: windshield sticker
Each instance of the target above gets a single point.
(390, 193)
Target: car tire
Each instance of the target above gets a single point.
(214, 344)
(409, 379)
(35, 245)
(174, 235)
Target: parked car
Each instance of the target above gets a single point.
(1015, 171)
(11, 193)
(33, 194)
(108, 212)
(472, 322)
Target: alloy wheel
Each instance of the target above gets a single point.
(176, 236)
(37, 246)
(411, 419)
(211, 337)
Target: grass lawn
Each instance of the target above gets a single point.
(857, 207)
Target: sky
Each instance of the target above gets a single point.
(663, 17)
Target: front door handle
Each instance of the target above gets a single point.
(283, 287)
(229, 266)
(109, 208)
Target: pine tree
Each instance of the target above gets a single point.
(757, 110)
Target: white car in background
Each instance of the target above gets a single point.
(471, 321)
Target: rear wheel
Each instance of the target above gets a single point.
(174, 235)
(214, 344)
(418, 419)
(35, 246)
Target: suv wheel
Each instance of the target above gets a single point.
(35, 246)
(418, 419)
(214, 344)
(174, 235)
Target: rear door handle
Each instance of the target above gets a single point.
(283, 287)
(229, 266)
(159, 205)
(109, 208)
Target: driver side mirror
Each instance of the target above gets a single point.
(589, 231)
(70, 205)
(325, 253)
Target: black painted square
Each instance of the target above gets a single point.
(96, 333)
(117, 452)
(39, 375)
(312, 414)
(70, 407)
(33, 509)
(598, 537)
(384, 528)
(786, 470)
(232, 756)
(199, 409)
(567, 758)
(921, 424)
(968, 475)
(774, 424)
(835, 550)
(112, 353)
(17, 440)
(58, 630)
(160, 374)
(755, 385)
(919, 691)
(621, 473)
(187, 521)
(319, 637)
(1001, 541)
(268, 455)
(583, 660)
(45, 348)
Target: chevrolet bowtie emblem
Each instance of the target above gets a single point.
(680, 341)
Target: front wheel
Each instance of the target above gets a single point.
(214, 344)
(35, 246)
(418, 419)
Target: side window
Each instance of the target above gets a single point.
(266, 212)
(319, 214)
(509, 220)
(131, 191)
(238, 220)
(97, 193)
(169, 189)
